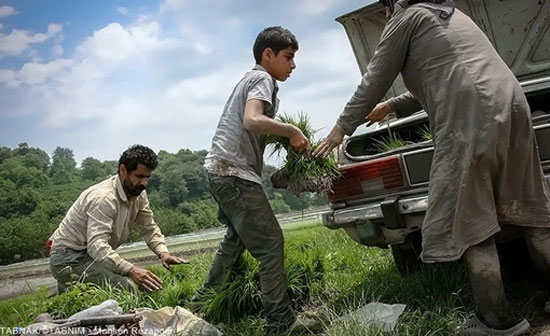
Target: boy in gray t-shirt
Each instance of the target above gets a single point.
(234, 165)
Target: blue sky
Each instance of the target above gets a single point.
(98, 76)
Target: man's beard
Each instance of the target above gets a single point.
(131, 189)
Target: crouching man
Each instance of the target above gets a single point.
(83, 246)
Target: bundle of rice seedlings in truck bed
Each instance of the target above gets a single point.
(302, 172)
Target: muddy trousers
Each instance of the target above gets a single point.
(68, 265)
(251, 225)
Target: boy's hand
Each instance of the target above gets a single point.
(379, 113)
(298, 141)
(333, 139)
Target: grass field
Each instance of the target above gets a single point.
(328, 274)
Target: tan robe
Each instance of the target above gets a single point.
(486, 170)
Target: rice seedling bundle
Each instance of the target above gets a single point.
(302, 172)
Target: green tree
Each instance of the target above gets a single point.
(205, 213)
(32, 156)
(21, 202)
(14, 169)
(7, 189)
(22, 149)
(92, 169)
(278, 204)
(171, 180)
(5, 153)
(110, 167)
(173, 187)
(37, 158)
(63, 165)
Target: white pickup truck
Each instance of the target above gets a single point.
(382, 197)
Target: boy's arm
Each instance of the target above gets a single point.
(256, 121)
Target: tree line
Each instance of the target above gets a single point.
(36, 191)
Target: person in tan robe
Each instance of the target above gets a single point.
(486, 171)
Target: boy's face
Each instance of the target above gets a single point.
(279, 66)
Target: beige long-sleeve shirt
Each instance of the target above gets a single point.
(100, 221)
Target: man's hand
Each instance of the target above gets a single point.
(333, 139)
(379, 113)
(145, 278)
(298, 140)
(168, 259)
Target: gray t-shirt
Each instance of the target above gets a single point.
(236, 151)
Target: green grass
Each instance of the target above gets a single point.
(390, 143)
(425, 133)
(328, 273)
(21, 311)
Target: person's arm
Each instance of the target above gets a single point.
(153, 235)
(385, 65)
(148, 228)
(256, 121)
(101, 214)
(404, 105)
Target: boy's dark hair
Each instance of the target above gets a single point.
(138, 154)
(277, 38)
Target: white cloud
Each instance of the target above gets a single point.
(201, 90)
(35, 73)
(1, 26)
(9, 77)
(122, 10)
(67, 90)
(57, 51)
(165, 88)
(38, 73)
(327, 52)
(54, 28)
(198, 39)
(325, 79)
(173, 5)
(19, 40)
(7, 11)
(111, 43)
(115, 43)
(312, 7)
(183, 115)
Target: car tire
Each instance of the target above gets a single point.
(407, 254)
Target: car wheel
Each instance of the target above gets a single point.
(407, 254)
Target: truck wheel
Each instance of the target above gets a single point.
(407, 255)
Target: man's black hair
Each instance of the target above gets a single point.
(277, 38)
(138, 154)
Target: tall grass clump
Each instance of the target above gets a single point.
(390, 143)
(80, 296)
(237, 298)
(425, 133)
(240, 297)
(302, 172)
